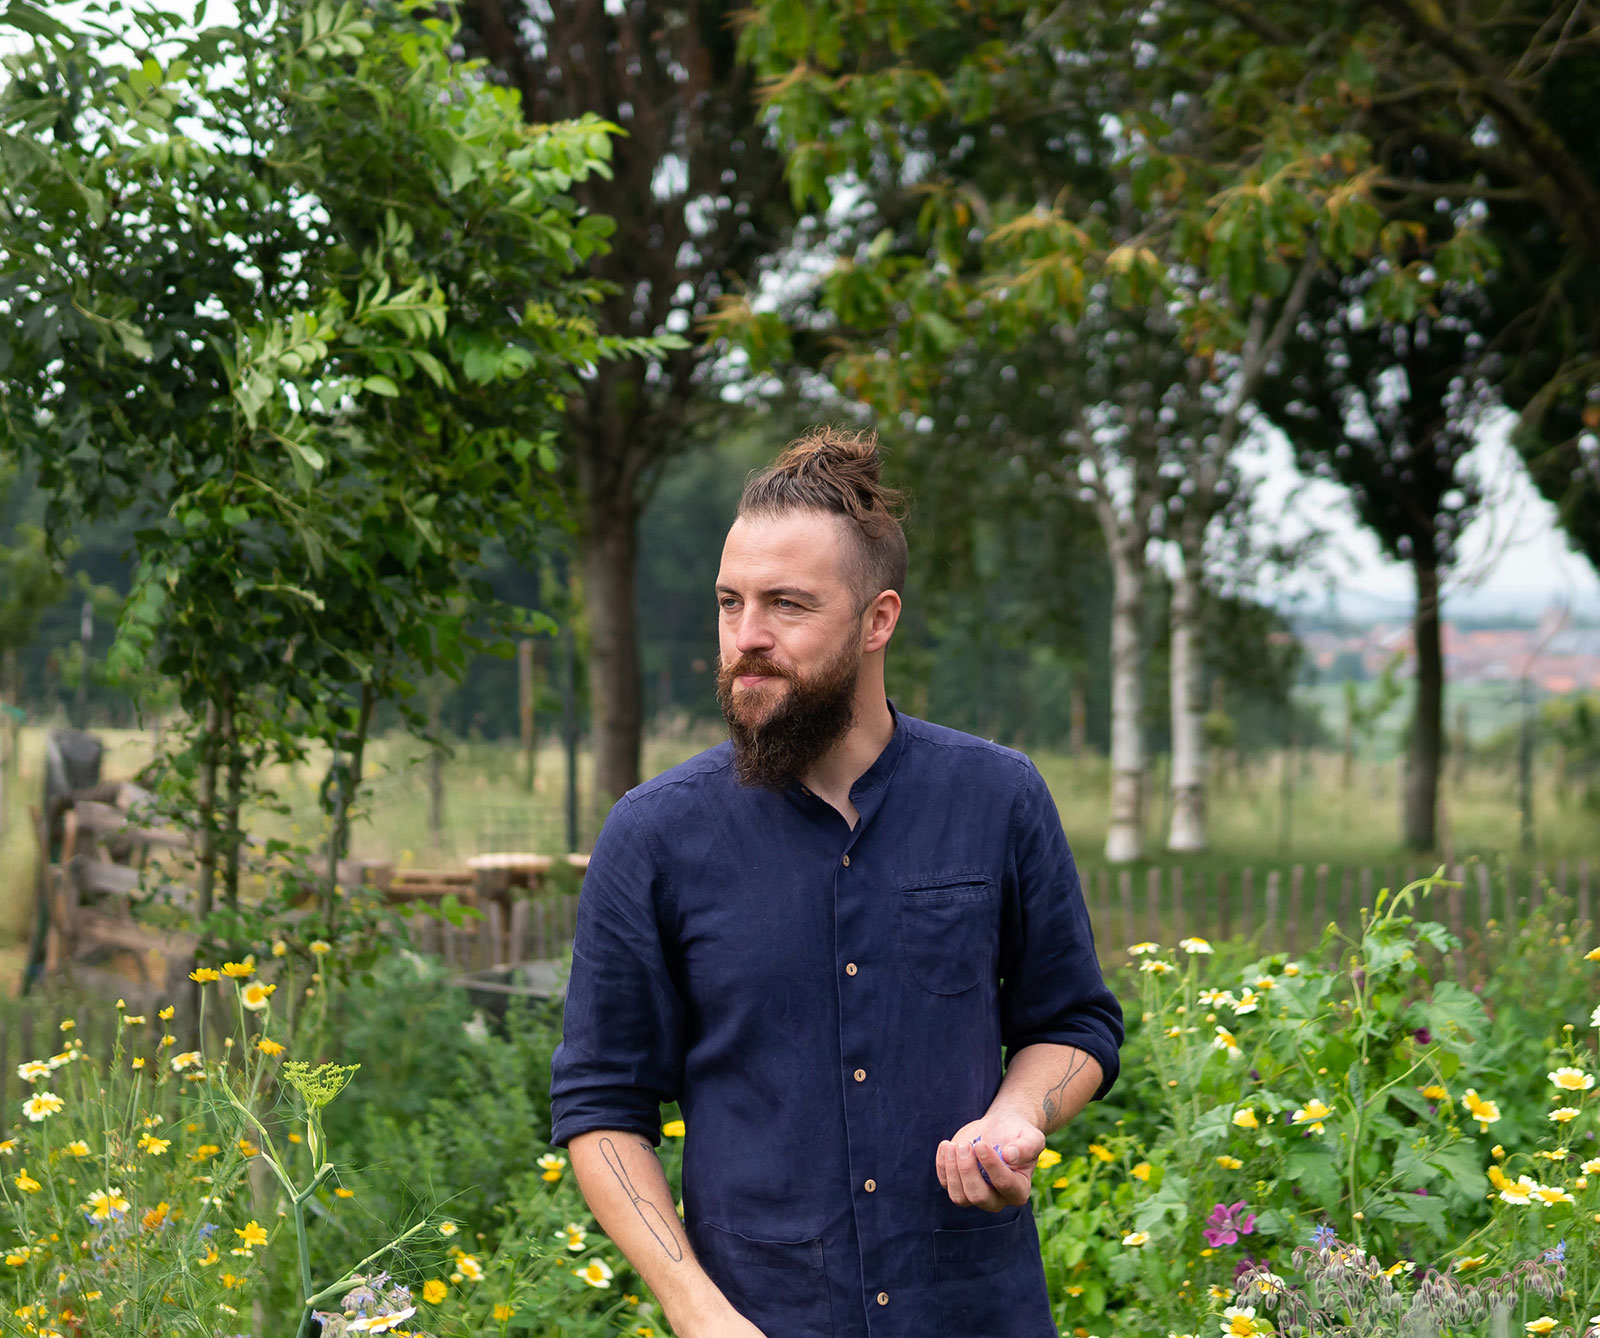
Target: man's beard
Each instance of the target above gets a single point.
(777, 749)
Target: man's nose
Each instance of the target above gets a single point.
(752, 634)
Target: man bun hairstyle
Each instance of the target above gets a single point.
(838, 472)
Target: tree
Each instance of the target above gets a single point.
(1390, 411)
(300, 295)
(697, 198)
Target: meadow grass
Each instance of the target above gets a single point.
(489, 807)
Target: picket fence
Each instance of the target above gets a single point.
(516, 947)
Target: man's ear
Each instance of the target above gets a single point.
(879, 621)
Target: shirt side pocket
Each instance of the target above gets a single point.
(990, 1280)
(779, 1286)
(949, 932)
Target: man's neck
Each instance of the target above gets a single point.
(849, 760)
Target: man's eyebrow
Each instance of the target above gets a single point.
(783, 591)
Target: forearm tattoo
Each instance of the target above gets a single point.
(648, 1212)
(1054, 1097)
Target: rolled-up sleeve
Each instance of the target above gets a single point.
(1052, 989)
(621, 1051)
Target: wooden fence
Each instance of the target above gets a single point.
(1280, 908)
(1286, 908)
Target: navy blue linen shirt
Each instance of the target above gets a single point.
(827, 1004)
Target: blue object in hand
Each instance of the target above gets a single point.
(998, 1153)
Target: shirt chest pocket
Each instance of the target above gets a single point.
(949, 931)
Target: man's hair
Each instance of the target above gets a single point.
(837, 472)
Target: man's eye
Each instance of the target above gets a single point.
(786, 603)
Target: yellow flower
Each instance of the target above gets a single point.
(1565, 1115)
(1245, 1118)
(1145, 949)
(104, 1204)
(187, 1060)
(41, 1106)
(251, 1234)
(574, 1235)
(448, 1228)
(1572, 1080)
(1541, 1325)
(672, 1129)
(19, 1256)
(1225, 1041)
(209, 1257)
(33, 1070)
(1075, 1290)
(470, 1268)
(320, 946)
(1498, 1178)
(1241, 1322)
(1591, 1167)
(597, 1273)
(1136, 1238)
(270, 1047)
(1048, 1158)
(1551, 1194)
(135, 1020)
(247, 1148)
(503, 1312)
(342, 1193)
(166, 1013)
(1521, 1191)
(203, 975)
(1141, 1171)
(280, 948)
(1399, 1266)
(1497, 1152)
(138, 1062)
(1100, 1152)
(550, 1167)
(67, 1024)
(26, 1183)
(1312, 1114)
(1247, 1002)
(1229, 1163)
(240, 970)
(152, 1145)
(1218, 1293)
(1155, 966)
(154, 1217)
(1593, 955)
(1434, 1092)
(434, 1291)
(255, 995)
(77, 1148)
(1061, 1182)
(1195, 946)
(1484, 1112)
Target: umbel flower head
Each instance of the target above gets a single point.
(318, 1086)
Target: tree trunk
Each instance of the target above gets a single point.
(232, 836)
(1124, 835)
(1078, 720)
(207, 850)
(1187, 834)
(1427, 723)
(609, 554)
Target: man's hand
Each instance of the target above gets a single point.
(963, 1161)
(730, 1325)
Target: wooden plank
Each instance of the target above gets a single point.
(1247, 904)
(1130, 931)
(1291, 924)
(494, 931)
(1319, 902)
(1347, 899)
(1271, 940)
(101, 931)
(1152, 905)
(517, 933)
(7, 1065)
(1224, 905)
(1458, 920)
(1485, 898)
(102, 879)
(1180, 919)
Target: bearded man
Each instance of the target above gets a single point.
(853, 946)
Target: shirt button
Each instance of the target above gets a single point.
(871, 1187)
(849, 968)
(883, 1298)
(861, 1075)
(847, 861)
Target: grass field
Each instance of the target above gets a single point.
(487, 807)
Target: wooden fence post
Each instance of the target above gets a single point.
(1224, 904)
(1130, 932)
(1273, 933)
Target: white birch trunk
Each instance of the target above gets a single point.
(1187, 832)
(1125, 832)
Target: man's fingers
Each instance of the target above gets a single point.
(1009, 1186)
(939, 1164)
(979, 1192)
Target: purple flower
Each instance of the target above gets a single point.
(1243, 1267)
(1420, 1190)
(1324, 1236)
(1422, 1036)
(1227, 1223)
(1558, 1254)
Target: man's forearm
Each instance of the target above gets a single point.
(627, 1191)
(1048, 1084)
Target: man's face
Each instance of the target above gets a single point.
(790, 643)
